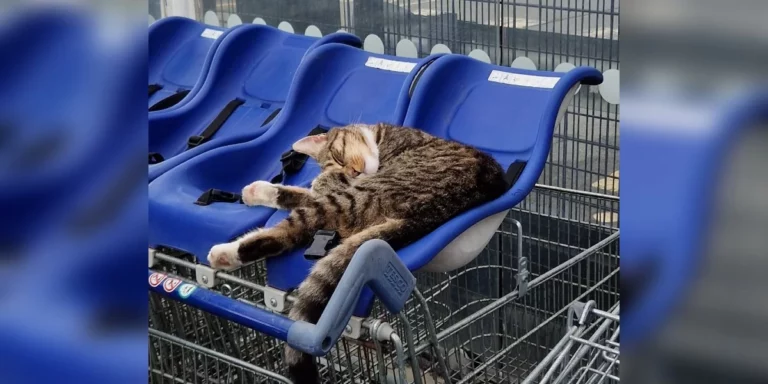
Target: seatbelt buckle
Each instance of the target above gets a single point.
(323, 242)
(292, 161)
(216, 195)
(194, 141)
(287, 155)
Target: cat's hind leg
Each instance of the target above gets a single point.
(296, 230)
(276, 195)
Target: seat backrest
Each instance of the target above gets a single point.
(255, 64)
(259, 62)
(339, 85)
(508, 113)
(179, 51)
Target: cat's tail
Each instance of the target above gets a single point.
(301, 367)
(313, 296)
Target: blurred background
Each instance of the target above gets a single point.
(72, 192)
(694, 192)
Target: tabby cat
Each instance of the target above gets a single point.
(377, 182)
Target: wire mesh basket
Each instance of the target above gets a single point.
(486, 322)
(587, 353)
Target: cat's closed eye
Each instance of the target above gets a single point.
(336, 158)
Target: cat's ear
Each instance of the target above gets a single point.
(311, 145)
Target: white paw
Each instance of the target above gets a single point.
(224, 256)
(260, 193)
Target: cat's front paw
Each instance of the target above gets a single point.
(224, 256)
(260, 193)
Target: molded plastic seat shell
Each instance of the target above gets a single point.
(180, 55)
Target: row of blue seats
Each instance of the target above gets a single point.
(211, 87)
(322, 83)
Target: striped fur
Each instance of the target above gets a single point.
(378, 182)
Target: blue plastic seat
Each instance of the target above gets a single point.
(250, 75)
(454, 99)
(180, 54)
(332, 87)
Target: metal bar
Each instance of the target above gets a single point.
(400, 357)
(604, 374)
(595, 345)
(612, 343)
(513, 295)
(578, 192)
(498, 355)
(432, 336)
(221, 275)
(218, 355)
(379, 355)
(522, 262)
(559, 360)
(606, 315)
(550, 356)
(583, 349)
(174, 260)
(411, 347)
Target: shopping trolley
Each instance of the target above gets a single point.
(471, 325)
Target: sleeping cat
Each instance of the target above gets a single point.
(377, 182)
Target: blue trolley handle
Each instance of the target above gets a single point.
(375, 265)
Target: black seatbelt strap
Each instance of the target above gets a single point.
(154, 88)
(169, 101)
(513, 172)
(293, 161)
(271, 117)
(218, 196)
(155, 158)
(215, 125)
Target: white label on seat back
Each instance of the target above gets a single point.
(390, 65)
(523, 80)
(211, 33)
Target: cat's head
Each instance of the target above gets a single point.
(352, 148)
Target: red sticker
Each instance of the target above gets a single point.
(156, 278)
(171, 284)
